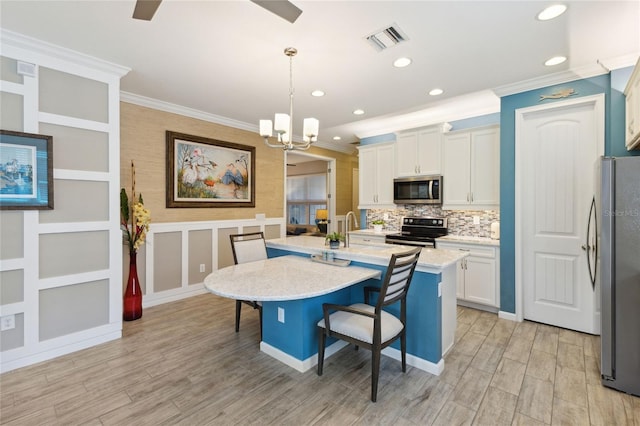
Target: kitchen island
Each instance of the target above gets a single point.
(289, 322)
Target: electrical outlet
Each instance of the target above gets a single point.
(281, 315)
(385, 216)
(8, 322)
(476, 220)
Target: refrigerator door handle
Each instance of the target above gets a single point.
(592, 245)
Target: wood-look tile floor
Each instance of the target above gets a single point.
(182, 363)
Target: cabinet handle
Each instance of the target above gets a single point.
(472, 197)
(467, 197)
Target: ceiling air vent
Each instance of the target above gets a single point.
(387, 38)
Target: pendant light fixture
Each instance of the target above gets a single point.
(284, 123)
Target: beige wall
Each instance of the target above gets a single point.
(143, 141)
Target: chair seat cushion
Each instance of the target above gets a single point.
(361, 327)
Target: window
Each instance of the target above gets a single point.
(305, 195)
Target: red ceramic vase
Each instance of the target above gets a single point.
(132, 307)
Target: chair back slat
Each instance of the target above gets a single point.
(248, 247)
(398, 277)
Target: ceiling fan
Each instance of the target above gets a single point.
(145, 9)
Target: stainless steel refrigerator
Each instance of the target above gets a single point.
(619, 252)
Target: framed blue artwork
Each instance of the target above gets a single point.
(26, 171)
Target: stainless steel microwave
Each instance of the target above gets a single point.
(418, 190)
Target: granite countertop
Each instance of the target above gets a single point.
(431, 260)
(469, 240)
(284, 278)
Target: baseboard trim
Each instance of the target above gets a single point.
(419, 363)
(507, 315)
(300, 365)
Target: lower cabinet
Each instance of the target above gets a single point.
(369, 239)
(478, 273)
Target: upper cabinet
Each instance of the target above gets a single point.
(418, 152)
(471, 169)
(376, 166)
(632, 104)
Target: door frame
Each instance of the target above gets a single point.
(331, 187)
(599, 106)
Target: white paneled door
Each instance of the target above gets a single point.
(557, 147)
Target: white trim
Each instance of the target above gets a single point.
(601, 67)
(508, 316)
(28, 49)
(65, 280)
(12, 359)
(331, 203)
(71, 227)
(598, 101)
(11, 264)
(295, 363)
(307, 364)
(12, 308)
(83, 175)
(172, 295)
(10, 87)
(77, 123)
(169, 107)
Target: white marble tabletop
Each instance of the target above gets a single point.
(430, 260)
(284, 278)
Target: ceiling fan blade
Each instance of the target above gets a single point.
(283, 8)
(145, 9)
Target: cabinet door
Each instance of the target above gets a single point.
(632, 105)
(385, 162)
(485, 167)
(480, 280)
(367, 177)
(460, 280)
(429, 151)
(407, 147)
(455, 165)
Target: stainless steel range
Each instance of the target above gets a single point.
(419, 231)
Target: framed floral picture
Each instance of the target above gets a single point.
(203, 172)
(26, 171)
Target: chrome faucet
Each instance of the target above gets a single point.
(348, 222)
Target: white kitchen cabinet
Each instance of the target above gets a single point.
(471, 169)
(418, 152)
(477, 279)
(376, 164)
(366, 238)
(632, 110)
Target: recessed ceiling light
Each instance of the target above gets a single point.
(317, 93)
(337, 138)
(555, 61)
(358, 112)
(552, 12)
(436, 92)
(401, 62)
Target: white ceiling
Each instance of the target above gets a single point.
(225, 58)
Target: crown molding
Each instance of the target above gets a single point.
(601, 67)
(35, 50)
(453, 109)
(152, 103)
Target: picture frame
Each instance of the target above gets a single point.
(26, 171)
(204, 172)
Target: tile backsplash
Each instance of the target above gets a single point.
(460, 222)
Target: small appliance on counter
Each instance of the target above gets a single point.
(495, 231)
